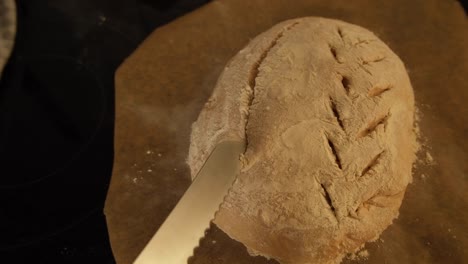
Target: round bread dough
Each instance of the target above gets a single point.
(326, 110)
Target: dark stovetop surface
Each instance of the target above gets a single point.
(56, 123)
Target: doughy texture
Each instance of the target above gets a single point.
(326, 110)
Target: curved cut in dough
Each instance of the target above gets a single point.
(326, 110)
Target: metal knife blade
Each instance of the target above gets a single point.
(182, 230)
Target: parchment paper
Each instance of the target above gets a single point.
(162, 86)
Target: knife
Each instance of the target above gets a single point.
(182, 230)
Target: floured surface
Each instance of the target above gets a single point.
(328, 122)
(162, 87)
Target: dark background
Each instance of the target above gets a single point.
(56, 123)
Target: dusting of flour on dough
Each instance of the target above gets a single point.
(327, 113)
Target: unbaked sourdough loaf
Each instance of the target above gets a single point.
(326, 110)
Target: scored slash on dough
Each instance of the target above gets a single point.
(252, 83)
(336, 113)
(372, 126)
(334, 152)
(377, 91)
(372, 163)
(345, 82)
(329, 201)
